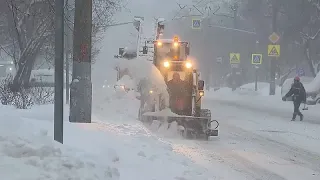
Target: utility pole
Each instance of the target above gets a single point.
(273, 63)
(81, 86)
(235, 26)
(58, 69)
(68, 32)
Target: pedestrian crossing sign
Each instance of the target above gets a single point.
(196, 23)
(274, 50)
(256, 59)
(234, 58)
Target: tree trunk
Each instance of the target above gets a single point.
(308, 57)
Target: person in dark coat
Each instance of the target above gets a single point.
(177, 93)
(298, 94)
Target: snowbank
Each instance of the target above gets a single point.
(107, 149)
(246, 89)
(28, 152)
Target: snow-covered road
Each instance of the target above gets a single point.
(256, 144)
(253, 143)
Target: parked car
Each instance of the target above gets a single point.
(313, 100)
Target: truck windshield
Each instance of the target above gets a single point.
(165, 51)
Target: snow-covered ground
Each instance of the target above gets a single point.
(247, 97)
(253, 143)
(115, 146)
(256, 139)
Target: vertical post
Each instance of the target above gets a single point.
(256, 79)
(235, 26)
(58, 76)
(138, 40)
(256, 69)
(81, 86)
(67, 51)
(273, 65)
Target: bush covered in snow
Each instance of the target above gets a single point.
(25, 97)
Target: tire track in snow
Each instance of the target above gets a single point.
(292, 154)
(225, 155)
(287, 151)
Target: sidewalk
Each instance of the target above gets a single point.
(260, 100)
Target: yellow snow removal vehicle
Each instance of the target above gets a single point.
(185, 91)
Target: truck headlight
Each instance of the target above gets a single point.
(201, 93)
(188, 65)
(166, 64)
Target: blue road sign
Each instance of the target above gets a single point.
(256, 59)
(300, 72)
(196, 23)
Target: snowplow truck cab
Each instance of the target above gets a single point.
(184, 87)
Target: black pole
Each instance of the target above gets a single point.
(58, 88)
(256, 79)
(68, 34)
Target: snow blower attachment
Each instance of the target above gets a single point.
(185, 92)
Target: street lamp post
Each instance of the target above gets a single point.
(256, 70)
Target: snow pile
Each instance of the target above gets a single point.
(102, 150)
(249, 89)
(28, 152)
(118, 107)
(244, 90)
